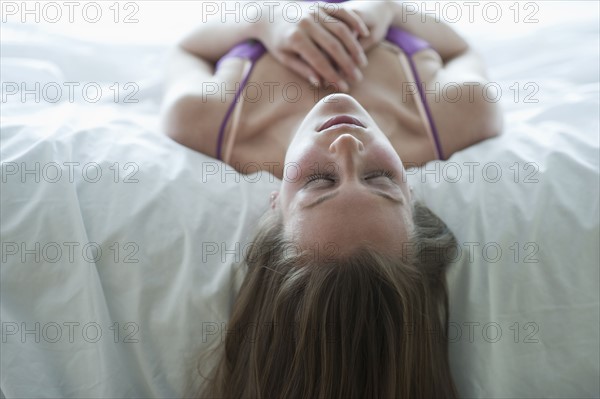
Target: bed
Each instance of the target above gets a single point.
(121, 249)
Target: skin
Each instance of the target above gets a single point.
(353, 155)
(269, 119)
(267, 128)
(280, 132)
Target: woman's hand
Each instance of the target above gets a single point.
(322, 45)
(377, 15)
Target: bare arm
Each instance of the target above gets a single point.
(380, 14)
(456, 53)
(182, 103)
(475, 117)
(442, 38)
(214, 36)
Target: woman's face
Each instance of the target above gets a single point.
(343, 182)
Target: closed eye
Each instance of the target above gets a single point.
(382, 173)
(320, 176)
(332, 177)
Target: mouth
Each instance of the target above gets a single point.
(341, 120)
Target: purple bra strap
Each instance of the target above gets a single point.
(410, 45)
(251, 51)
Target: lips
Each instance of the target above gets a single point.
(341, 120)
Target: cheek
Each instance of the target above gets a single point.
(300, 161)
(388, 156)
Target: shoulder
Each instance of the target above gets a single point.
(466, 111)
(187, 121)
(196, 103)
(463, 103)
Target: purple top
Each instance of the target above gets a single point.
(408, 43)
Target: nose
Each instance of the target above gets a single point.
(346, 144)
(347, 150)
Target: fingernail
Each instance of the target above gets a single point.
(357, 74)
(344, 86)
(313, 81)
(363, 60)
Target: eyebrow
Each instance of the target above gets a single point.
(327, 196)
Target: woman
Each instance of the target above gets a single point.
(345, 293)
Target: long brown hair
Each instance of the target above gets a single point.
(365, 325)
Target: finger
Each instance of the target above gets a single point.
(349, 17)
(299, 66)
(335, 49)
(367, 43)
(314, 57)
(349, 40)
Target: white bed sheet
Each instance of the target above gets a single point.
(518, 329)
